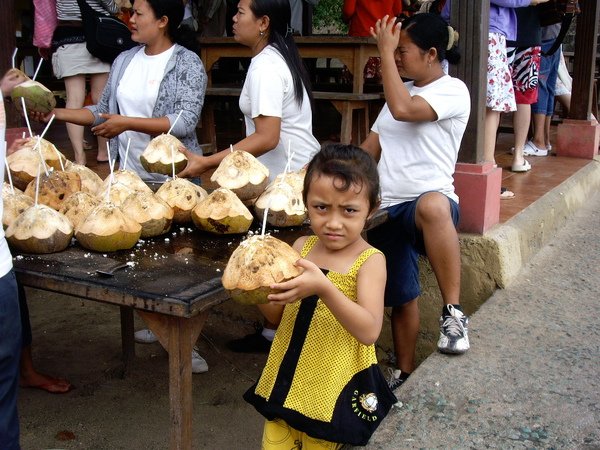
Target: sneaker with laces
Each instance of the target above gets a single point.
(199, 364)
(454, 331)
(396, 378)
(145, 336)
(251, 343)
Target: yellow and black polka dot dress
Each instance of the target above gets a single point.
(318, 377)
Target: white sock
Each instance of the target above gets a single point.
(268, 334)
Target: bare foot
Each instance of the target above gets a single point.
(46, 383)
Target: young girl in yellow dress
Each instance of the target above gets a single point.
(321, 386)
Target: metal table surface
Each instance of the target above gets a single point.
(174, 281)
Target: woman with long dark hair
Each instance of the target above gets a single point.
(276, 96)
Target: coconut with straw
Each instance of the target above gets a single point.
(158, 157)
(39, 229)
(14, 201)
(243, 174)
(31, 95)
(222, 212)
(107, 228)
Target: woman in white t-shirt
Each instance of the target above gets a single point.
(416, 140)
(276, 97)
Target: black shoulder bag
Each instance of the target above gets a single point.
(105, 35)
(558, 11)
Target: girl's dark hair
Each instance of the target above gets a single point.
(174, 10)
(429, 30)
(349, 164)
(280, 37)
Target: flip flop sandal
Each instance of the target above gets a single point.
(505, 194)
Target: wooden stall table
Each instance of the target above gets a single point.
(353, 52)
(174, 282)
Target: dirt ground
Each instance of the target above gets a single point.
(80, 340)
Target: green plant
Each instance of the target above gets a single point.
(327, 17)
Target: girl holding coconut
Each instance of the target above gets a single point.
(148, 87)
(321, 385)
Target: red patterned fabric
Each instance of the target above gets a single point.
(44, 22)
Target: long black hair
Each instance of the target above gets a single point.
(174, 11)
(429, 30)
(280, 37)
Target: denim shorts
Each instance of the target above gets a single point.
(547, 81)
(402, 243)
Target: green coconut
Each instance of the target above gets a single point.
(256, 264)
(37, 97)
(150, 211)
(161, 153)
(108, 229)
(128, 178)
(24, 164)
(40, 229)
(222, 212)
(182, 195)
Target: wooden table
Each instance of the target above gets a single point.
(353, 52)
(174, 283)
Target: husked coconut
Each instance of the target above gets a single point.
(284, 202)
(150, 211)
(107, 229)
(90, 181)
(161, 152)
(77, 206)
(182, 195)
(37, 96)
(222, 212)
(40, 229)
(13, 205)
(256, 264)
(129, 178)
(243, 174)
(55, 187)
(24, 164)
(118, 193)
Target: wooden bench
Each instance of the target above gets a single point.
(354, 127)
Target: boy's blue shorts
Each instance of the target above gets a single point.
(402, 243)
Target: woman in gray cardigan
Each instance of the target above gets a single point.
(149, 86)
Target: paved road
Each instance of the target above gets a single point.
(532, 377)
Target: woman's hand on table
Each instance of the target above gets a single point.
(113, 125)
(196, 165)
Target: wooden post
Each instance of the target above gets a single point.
(471, 19)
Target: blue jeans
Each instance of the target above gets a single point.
(547, 81)
(10, 355)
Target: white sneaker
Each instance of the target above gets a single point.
(145, 336)
(199, 364)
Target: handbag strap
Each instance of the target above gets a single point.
(564, 28)
(87, 11)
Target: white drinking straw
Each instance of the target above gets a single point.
(14, 57)
(39, 150)
(12, 188)
(175, 121)
(37, 184)
(37, 69)
(231, 148)
(26, 117)
(126, 154)
(59, 157)
(111, 165)
(173, 160)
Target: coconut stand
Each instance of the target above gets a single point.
(172, 281)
